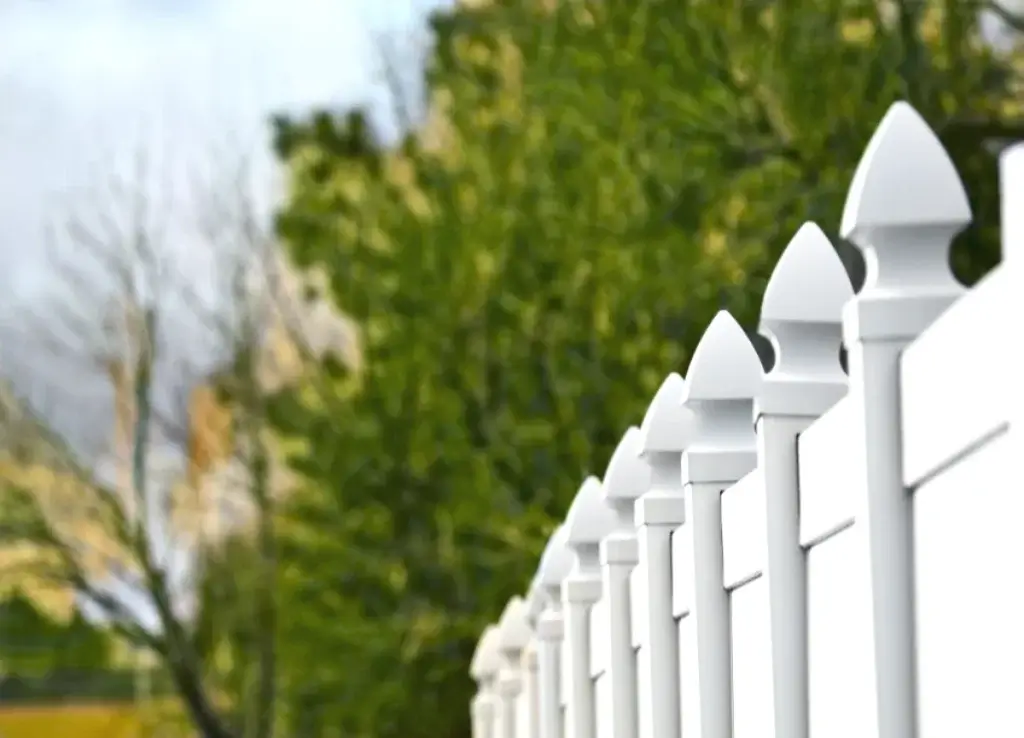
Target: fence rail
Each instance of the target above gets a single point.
(811, 551)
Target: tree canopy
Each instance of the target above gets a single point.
(594, 181)
(32, 643)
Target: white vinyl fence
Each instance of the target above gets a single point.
(807, 552)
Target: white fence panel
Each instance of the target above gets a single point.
(524, 715)
(838, 602)
(958, 369)
(753, 692)
(599, 676)
(744, 544)
(828, 453)
(970, 610)
(810, 554)
(841, 702)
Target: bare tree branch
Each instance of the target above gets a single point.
(1009, 18)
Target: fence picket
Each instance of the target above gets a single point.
(588, 522)
(787, 567)
(723, 380)
(802, 315)
(625, 480)
(484, 669)
(665, 434)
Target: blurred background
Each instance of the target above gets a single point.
(313, 315)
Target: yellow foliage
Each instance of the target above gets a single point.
(92, 721)
(17, 564)
(114, 721)
(76, 514)
(419, 205)
(399, 171)
(860, 32)
(210, 432)
(714, 244)
(931, 24)
(735, 209)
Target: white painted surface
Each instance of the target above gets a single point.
(839, 637)
(850, 568)
(753, 714)
(523, 717)
(970, 617)
(643, 671)
(599, 638)
(828, 463)
(603, 703)
(689, 677)
(964, 366)
(744, 529)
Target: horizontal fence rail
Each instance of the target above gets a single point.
(807, 552)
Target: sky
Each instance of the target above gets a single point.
(106, 103)
(103, 101)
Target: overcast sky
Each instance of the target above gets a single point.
(90, 87)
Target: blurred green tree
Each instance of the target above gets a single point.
(593, 182)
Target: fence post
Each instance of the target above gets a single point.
(530, 666)
(588, 521)
(515, 636)
(554, 567)
(626, 478)
(905, 205)
(484, 670)
(531, 657)
(664, 432)
(802, 315)
(722, 381)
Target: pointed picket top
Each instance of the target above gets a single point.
(627, 477)
(724, 379)
(589, 519)
(666, 424)
(486, 661)
(514, 627)
(555, 563)
(905, 205)
(725, 365)
(802, 315)
(904, 178)
(809, 283)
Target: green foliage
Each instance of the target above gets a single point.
(33, 644)
(601, 178)
(81, 686)
(227, 635)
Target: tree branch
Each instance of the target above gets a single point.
(1012, 20)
